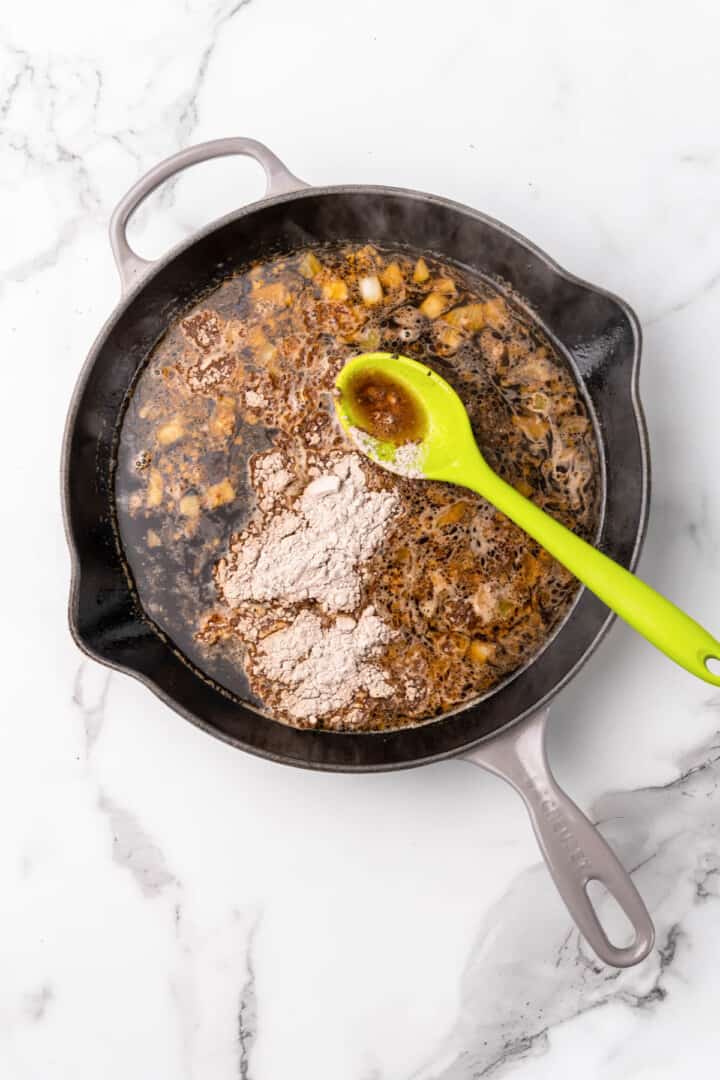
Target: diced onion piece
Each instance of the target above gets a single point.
(484, 602)
(391, 276)
(170, 432)
(222, 421)
(369, 339)
(479, 651)
(154, 494)
(448, 338)
(574, 425)
(256, 337)
(531, 568)
(469, 317)
(273, 295)
(433, 305)
(452, 514)
(496, 313)
(335, 289)
(190, 506)
(309, 265)
(533, 427)
(219, 494)
(421, 272)
(370, 289)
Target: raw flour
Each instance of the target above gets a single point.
(294, 579)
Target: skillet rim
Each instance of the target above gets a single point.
(145, 279)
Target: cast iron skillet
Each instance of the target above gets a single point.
(503, 732)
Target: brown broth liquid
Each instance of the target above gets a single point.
(250, 371)
(383, 408)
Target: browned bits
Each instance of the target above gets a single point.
(203, 329)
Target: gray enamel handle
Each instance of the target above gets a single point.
(280, 181)
(574, 850)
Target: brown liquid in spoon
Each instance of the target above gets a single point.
(385, 409)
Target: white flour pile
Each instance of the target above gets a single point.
(270, 478)
(311, 553)
(321, 669)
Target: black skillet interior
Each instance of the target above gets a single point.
(597, 332)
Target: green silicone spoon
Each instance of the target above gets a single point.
(446, 450)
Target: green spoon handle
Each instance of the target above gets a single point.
(652, 615)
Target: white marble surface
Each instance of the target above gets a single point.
(171, 908)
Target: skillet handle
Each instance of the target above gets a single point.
(280, 181)
(574, 850)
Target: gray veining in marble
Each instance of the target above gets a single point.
(172, 909)
(530, 972)
(134, 850)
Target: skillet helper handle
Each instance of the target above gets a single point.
(280, 181)
(574, 850)
(654, 616)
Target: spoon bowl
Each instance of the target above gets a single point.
(448, 446)
(447, 451)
